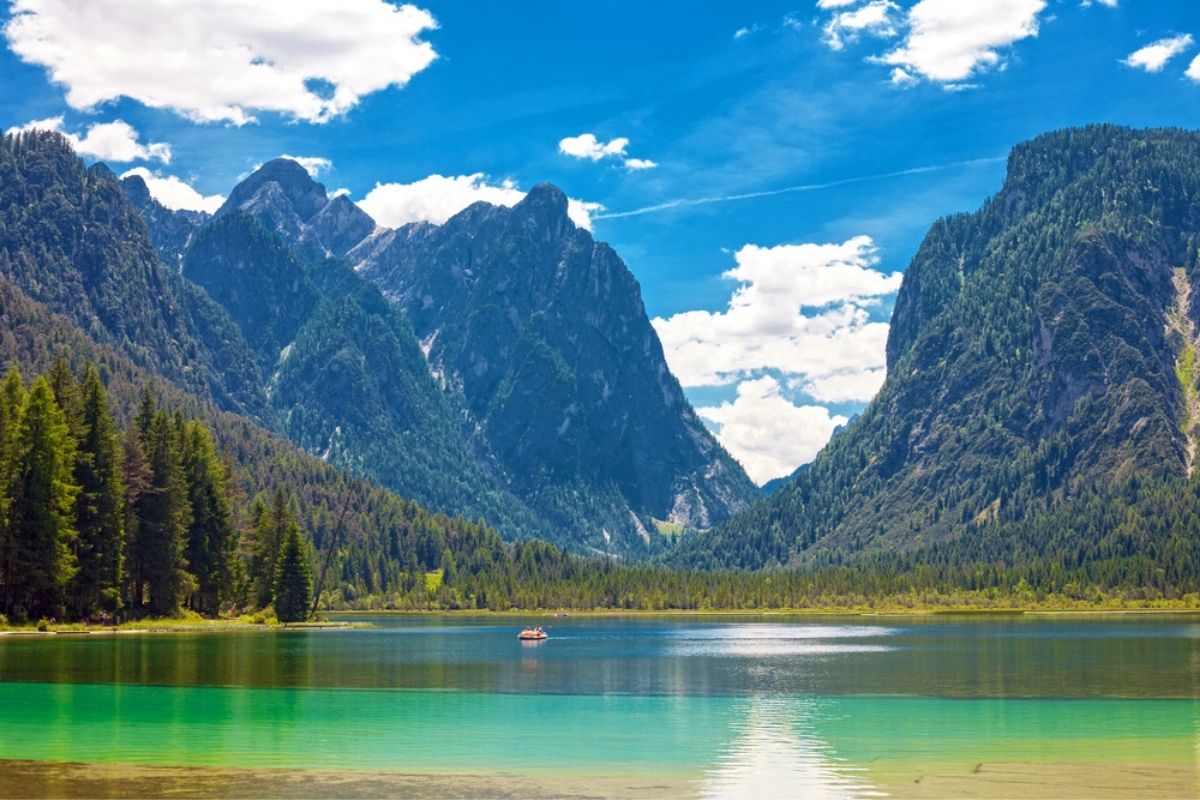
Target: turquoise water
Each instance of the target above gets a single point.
(844, 707)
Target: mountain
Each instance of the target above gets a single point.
(1041, 358)
(72, 241)
(342, 370)
(556, 406)
(170, 229)
(289, 203)
(539, 333)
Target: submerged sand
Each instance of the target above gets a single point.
(1014, 781)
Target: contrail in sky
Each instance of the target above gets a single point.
(804, 187)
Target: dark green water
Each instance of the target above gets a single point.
(833, 707)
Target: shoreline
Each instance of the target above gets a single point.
(933, 781)
(343, 619)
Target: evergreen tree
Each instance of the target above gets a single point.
(99, 512)
(270, 528)
(67, 394)
(163, 520)
(135, 477)
(41, 493)
(12, 401)
(293, 579)
(212, 539)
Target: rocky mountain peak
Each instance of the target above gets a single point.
(286, 199)
(283, 178)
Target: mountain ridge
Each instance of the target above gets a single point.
(1028, 362)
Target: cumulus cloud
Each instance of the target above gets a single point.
(175, 193)
(315, 165)
(437, 198)
(1154, 56)
(1193, 70)
(223, 60)
(835, 3)
(948, 41)
(108, 141)
(587, 146)
(877, 18)
(799, 309)
(766, 432)
(802, 312)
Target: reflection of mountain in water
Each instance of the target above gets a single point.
(776, 752)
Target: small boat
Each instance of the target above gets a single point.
(534, 634)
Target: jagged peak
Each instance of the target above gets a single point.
(305, 194)
(136, 190)
(546, 201)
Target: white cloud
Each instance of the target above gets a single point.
(223, 60)
(1154, 56)
(315, 165)
(640, 163)
(802, 312)
(1089, 3)
(743, 32)
(948, 41)
(115, 141)
(766, 432)
(587, 146)
(766, 327)
(439, 197)
(174, 193)
(875, 18)
(835, 3)
(845, 387)
(1193, 70)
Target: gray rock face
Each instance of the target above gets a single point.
(541, 332)
(170, 229)
(538, 357)
(288, 202)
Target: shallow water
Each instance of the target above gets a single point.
(756, 707)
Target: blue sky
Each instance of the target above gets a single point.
(875, 116)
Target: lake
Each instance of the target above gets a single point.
(852, 707)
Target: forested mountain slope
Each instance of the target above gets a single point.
(1042, 352)
(70, 239)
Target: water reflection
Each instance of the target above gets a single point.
(955, 657)
(776, 640)
(776, 752)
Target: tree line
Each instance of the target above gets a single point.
(96, 522)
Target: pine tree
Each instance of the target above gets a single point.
(135, 477)
(293, 579)
(212, 539)
(270, 527)
(99, 512)
(164, 516)
(40, 561)
(67, 394)
(12, 400)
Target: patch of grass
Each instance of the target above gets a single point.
(668, 528)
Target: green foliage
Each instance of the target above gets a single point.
(39, 559)
(99, 509)
(293, 578)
